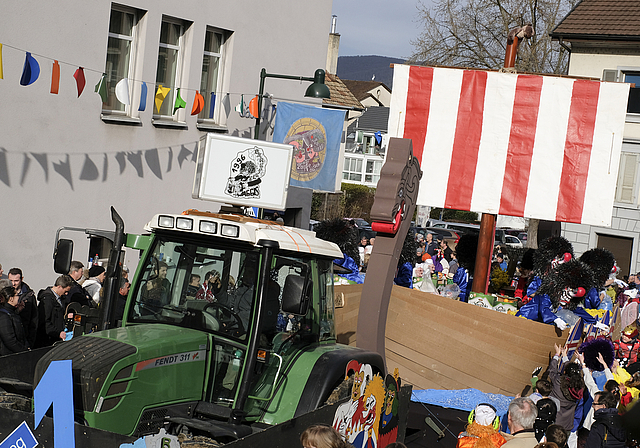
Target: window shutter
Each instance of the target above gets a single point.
(626, 188)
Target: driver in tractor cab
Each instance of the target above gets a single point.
(240, 299)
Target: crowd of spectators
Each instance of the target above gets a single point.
(29, 320)
(566, 410)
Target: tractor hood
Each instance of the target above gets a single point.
(122, 369)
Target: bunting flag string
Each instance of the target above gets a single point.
(98, 71)
(31, 72)
(55, 77)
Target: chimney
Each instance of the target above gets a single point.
(334, 45)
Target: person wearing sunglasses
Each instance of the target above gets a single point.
(606, 430)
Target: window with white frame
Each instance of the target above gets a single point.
(372, 171)
(168, 73)
(369, 144)
(627, 184)
(120, 55)
(211, 72)
(352, 169)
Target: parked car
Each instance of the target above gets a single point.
(360, 223)
(458, 227)
(522, 236)
(474, 229)
(513, 241)
(364, 228)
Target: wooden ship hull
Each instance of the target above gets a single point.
(440, 343)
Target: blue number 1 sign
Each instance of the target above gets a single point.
(56, 389)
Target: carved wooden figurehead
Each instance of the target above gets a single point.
(393, 208)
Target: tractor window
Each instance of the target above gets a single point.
(205, 288)
(326, 302)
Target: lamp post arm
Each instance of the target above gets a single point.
(263, 76)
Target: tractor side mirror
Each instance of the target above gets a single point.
(62, 256)
(295, 296)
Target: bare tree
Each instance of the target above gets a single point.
(473, 33)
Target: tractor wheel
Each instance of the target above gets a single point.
(341, 391)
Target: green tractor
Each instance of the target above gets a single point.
(228, 329)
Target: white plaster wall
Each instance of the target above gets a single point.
(592, 65)
(625, 222)
(383, 95)
(283, 36)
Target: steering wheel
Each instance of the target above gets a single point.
(228, 320)
(157, 314)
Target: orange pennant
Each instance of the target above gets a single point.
(55, 77)
(253, 106)
(198, 104)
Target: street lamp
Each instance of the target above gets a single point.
(316, 90)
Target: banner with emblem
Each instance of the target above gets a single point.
(314, 134)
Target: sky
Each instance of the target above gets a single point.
(377, 27)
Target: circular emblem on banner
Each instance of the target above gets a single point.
(309, 141)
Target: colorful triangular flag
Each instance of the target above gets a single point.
(253, 106)
(198, 104)
(80, 80)
(161, 94)
(30, 71)
(240, 106)
(101, 88)
(143, 98)
(122, 91)
(55, 77)
(179, 103)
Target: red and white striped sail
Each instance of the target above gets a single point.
(519, 145)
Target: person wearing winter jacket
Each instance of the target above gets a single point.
(568, 386)
(51, 318)
(606, 430)
(12, 336)
(94, 284)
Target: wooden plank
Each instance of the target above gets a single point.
(446, 344)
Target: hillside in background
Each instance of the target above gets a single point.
(363, 68)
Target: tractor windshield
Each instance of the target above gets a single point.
(200, 287)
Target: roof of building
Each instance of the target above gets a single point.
(340, 94)
(601, 19)
(373, 119)
(362, 89)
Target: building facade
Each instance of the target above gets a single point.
(366, 147)
(603, 39)
(66, 157)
